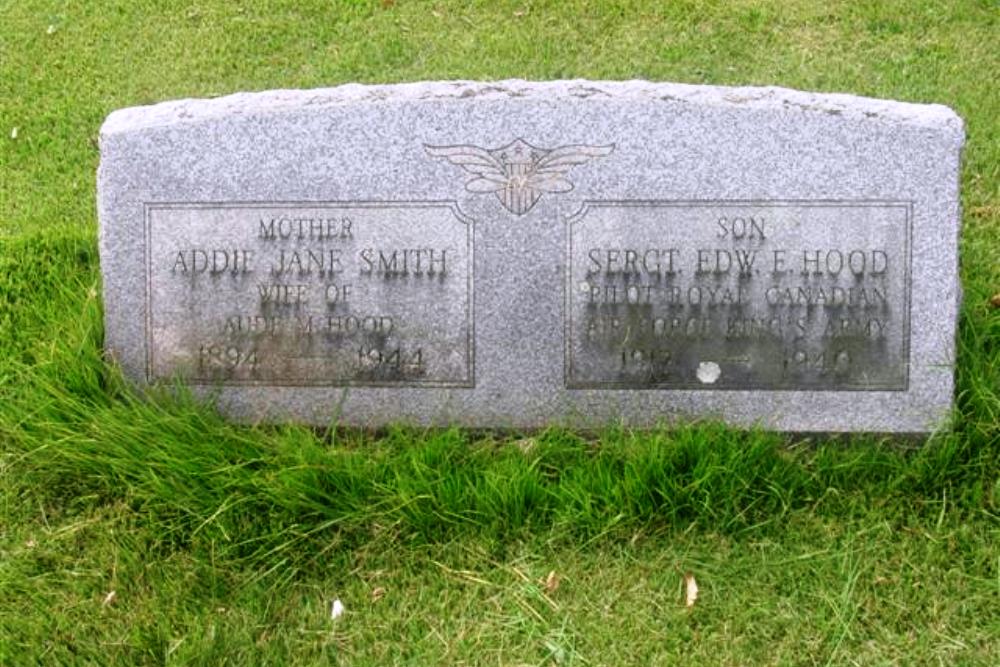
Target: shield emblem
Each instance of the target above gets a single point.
(519, 159)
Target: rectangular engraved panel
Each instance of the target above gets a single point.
(361, 294)
(738, 295)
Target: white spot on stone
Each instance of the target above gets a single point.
(709, 372)
(584, 286)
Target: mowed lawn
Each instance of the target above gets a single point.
(148, 531)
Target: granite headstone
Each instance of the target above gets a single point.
(519, 254)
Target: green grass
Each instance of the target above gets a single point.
(226, 544)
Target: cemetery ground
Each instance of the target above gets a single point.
(147, 530)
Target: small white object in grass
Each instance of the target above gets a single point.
(525, 444)
(51, 29)
(690, 590)
(109, 598)
(709, 372)
(13, 133)
(337, 609)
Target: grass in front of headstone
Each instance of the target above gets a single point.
(147, 530)
(143, 530)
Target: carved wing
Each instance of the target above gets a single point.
(489, 172)
(549, 171)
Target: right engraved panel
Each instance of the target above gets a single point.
(779, 295)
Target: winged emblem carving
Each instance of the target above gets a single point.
(518, 173)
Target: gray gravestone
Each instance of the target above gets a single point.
(521, 254)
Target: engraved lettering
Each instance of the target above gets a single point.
(282, 294)
(308, 261)
(749, 300)
(311, 229)
(779, 261)
(404, 261)
(312, 296)
(652, 261)
(739, 228)
(213, 261)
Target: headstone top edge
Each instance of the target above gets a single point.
(194, 110)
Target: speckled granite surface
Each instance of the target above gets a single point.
(517, 254)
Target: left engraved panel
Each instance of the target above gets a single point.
(339, 294)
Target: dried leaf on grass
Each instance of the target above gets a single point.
(690, 590)
(551, 582)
